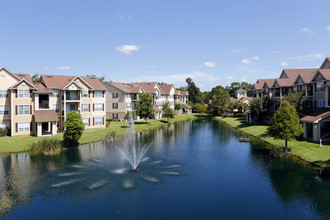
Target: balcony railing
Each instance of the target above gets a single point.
(43, 105)
(72, 97)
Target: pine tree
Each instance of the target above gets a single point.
(285, 124)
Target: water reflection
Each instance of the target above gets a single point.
(98, 169)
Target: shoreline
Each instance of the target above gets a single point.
(24, 143)
(324, 170)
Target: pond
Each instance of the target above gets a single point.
(192, 170)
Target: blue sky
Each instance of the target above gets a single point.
(214, 42)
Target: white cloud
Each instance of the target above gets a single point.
(209, 64)
(63, 68)
(308, 57)
(127, 48)
(328, 29)
(230, 77)
(306, 30)
(45, 67)
(243, 80)
(284, 63)
(246, 61)
(152, 67)
(236, 50)
(256, 58)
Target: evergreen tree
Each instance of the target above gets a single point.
(144, 107)
(285, 124)
(194, 92)
(74, 128)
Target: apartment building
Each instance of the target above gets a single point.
(123, 97)
(28, 108)
(315, 83)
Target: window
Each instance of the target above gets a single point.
(56, 107)
(98, 94)
(319, 86)
(85, 93)
(4, 109)
(58, 124)
(128, 105)
(23, 126)
(115, 116)
(3, 93)
(319, 104)
(24, 109)
(23, 93)
(98, 107)
(4, 124)
(128, 95)
(85, 107)
(56, 94)
(115, 105)
(114, 95)
(98, 121)
(86, 121)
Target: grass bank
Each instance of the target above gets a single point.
(308, 151)
(17, 144)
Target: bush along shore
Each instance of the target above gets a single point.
(303, 150)
(114, 131)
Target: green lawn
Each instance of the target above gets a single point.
(23, 143)
(309, 151)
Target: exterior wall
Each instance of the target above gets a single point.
(121, 100)
(170, 98)
(22, 118)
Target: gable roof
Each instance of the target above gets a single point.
(166, 88)
(177, 92)
(326, 60)
(45, 115)
(24, 76)
(325, 73)
(41, 88)
(184, 92)
(60, 82)
(148, 87)
(22, 81)
(315, 117)
(14, 75)
(125, 87)
(240, 90)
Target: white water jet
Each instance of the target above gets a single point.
(65, 183)
(131, 148)
(98, 184)
(69, 174)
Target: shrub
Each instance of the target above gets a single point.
(74, 128)
(239, 115)
(3, 132)
(46, 146)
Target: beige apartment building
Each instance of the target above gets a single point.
(123, 97)
(28, 108)
(315, 83)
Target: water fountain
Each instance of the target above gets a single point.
(132, 148)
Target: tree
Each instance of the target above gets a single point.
(101, 78)
(297, 100)
(194, 92)
(256, 109)
(220, 102)
(74, 128)
(262, 109)
(144, 107)
(177, 106)
(168, 112)
(36, 78)
(285, 124)
(236, 85)
(201, 108)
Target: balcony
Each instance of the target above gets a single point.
(277, 94)
(310, 92)
(43, 105)
(72, 97)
